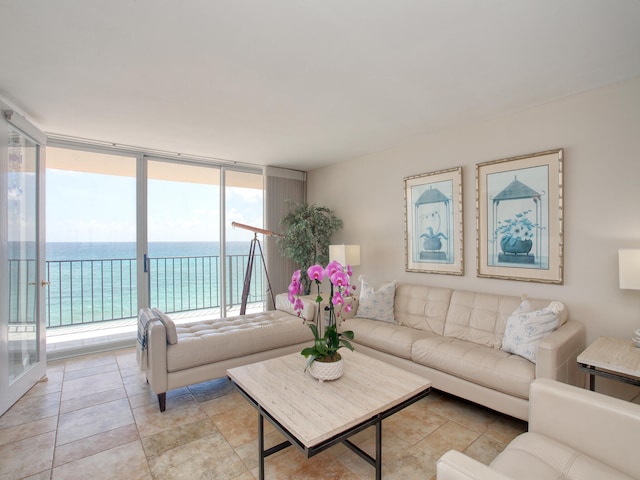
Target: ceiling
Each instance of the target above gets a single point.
(300, 83)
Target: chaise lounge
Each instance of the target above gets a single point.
(180, 355)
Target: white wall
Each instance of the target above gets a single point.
(600, 133)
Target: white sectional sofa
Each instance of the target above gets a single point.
(451, 337)
(454, 338)
(573, 434)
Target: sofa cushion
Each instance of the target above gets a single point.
(422, 307)
(482, 317)
(205, 342)
(489, 367)
(377, 304)
(385, 337)
(532, 456)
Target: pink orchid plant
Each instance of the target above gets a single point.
(326, 346)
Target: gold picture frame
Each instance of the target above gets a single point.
(519, 218)
(433, 222)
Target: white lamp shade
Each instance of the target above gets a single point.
(629, 268)
(345, 254)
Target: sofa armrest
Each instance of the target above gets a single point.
(557, 354)
(601, 427)
(284, 305)
(157, 374)
(455, 465)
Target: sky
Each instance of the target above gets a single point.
(89, 207)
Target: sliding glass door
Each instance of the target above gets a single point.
(183, 231)
(196, 260)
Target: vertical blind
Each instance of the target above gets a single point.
(281, 186)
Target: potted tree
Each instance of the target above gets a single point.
(307, 235)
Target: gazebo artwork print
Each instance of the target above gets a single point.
(518, 218)
(433, 222)
(432, 214)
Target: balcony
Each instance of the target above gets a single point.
(90, 303)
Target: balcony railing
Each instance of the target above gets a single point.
(90, 291)
(180, 284)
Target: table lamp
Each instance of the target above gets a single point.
(629, 277)
(345, 254)
(629, 268)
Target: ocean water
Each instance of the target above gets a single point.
(104, 250)
(97, 281)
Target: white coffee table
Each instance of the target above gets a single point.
(316, 415)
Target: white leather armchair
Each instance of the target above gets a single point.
(573, 434)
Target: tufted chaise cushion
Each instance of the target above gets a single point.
(205, 342)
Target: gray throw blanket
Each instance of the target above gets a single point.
(144, 317)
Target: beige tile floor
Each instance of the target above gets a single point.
(96, 418)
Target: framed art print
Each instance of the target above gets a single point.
(433, 222)
(519, 218)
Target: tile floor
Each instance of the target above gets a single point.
(96, 418)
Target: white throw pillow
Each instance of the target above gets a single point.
(377, 305)
(525, 329)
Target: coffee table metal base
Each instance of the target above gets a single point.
(343, 437)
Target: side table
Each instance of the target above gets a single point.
(614, 358)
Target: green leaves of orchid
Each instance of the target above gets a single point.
(328, 344)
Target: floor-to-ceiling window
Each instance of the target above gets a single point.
(193, 261)
(91, 236)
